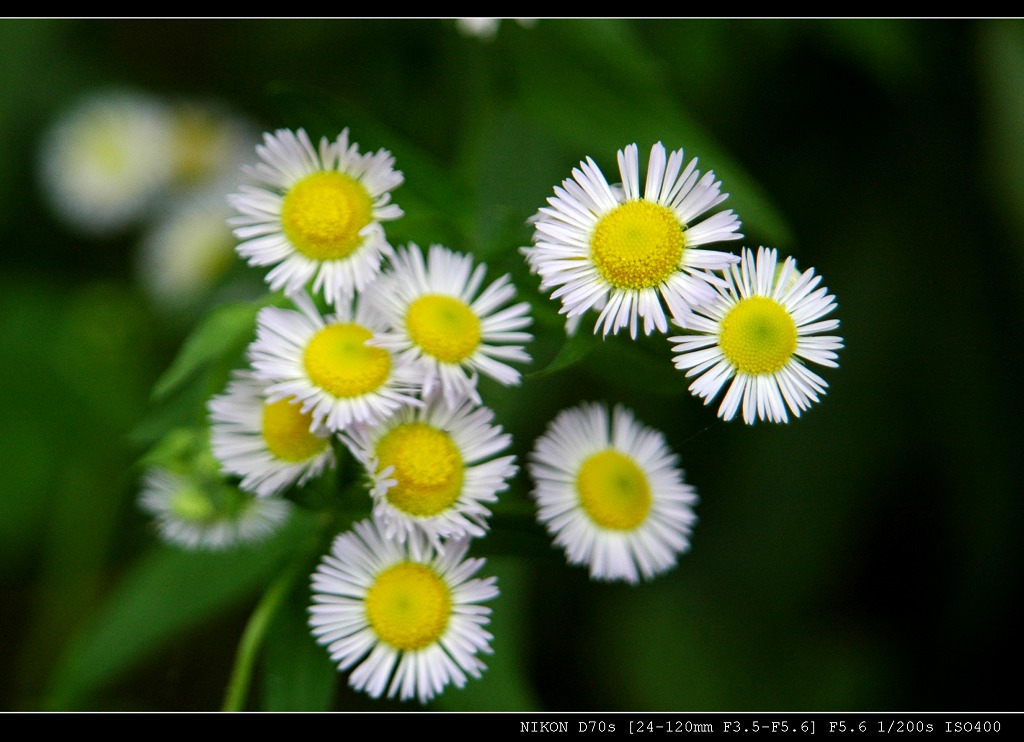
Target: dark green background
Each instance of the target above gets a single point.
(865, 557)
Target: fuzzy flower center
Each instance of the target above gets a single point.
(197, 144)
(758, 336)
(191, 504)
(614, 490)
(104, 148)
(443, 327)
(408, 606)
(339, 361)
(286, 431)
(428, 468)
(323, 213)
(637, 245)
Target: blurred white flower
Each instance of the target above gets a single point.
(211, 142)
(487, 28)
(194, 514)
(104, 162)
(187, 252)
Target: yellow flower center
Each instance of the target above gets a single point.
(286, 431)
(614, 490)
(637, 245)
(428, 468)
(192, 504)
(758, 335)
(197, 145)
(103, 147)
(323, 213)
(443, 327)
(339, 361)
(408, 606)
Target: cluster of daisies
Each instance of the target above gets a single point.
(379, 350)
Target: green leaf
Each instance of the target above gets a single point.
(643, 366)
(225, 331)
(512, 164)
(889, 49)
(515, 532)
(165, 594)
(575, 349)
(1001, 52)
(297, 673)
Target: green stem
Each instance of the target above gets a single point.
(263, 615)
(252, 640)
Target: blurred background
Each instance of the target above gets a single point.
(864, 557)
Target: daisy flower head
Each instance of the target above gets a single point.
(328, 364)
(407, 618)
(316, 212)
(106, 162)
(201, 515)
(486, 29)
(631, 255)
(433, 469)
(609, 491)
(443, 323)
(270, 445)
(186, 253)
(763, 325)
(211, 143)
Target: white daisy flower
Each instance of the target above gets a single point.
(211, 142)
(433, 469)
(764, 323)
(486, 28)
(187, 252)
(441, 321)
(628, 255)
(611, 493)
(106, 161)
(270, 445)
(328, 365)
(202, 515)
(316, 215)
(407, 618)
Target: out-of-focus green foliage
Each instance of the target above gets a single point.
(865, 556)
(165, 593)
